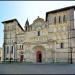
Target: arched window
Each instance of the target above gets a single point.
(7, 49)
(11, 49)
(38, 33)
(59, 19)
(54, 20)
(22, 46)
(62, 45)
(64, 18)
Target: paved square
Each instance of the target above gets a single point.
(37, 68)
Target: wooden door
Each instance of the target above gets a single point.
(21, 58)
(39, 56)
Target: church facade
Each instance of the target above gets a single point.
(46, 41)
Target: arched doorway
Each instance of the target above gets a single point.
(39, 53)
(39, 56)
(21, 58)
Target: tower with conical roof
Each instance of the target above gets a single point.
(27, 25)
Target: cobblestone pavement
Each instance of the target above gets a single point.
(20, 68)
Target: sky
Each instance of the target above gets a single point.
(21, 10)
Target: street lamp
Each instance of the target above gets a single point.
(14, 44)
(71, 55)
(10, 56)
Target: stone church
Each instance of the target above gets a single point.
(44, 41)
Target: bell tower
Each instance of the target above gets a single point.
(27, 25)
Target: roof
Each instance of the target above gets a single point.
(12, 21)
(59, 10)
(39, 19)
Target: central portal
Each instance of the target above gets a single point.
(21, 58)
(39, 56)
(39, 53)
